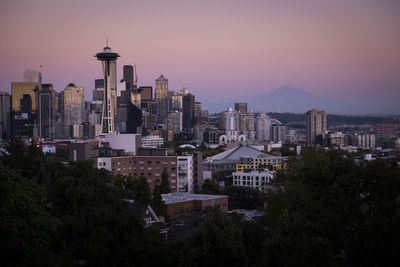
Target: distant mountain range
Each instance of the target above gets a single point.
(290, 99)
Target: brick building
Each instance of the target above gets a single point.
(187, 205)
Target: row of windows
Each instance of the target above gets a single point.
(142, 162)
(257, 178)
(248, 183)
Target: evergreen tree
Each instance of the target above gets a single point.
(141, 191)
(330, 211)
(216, 242)
(211, 187)
(164, 188)
(27, 230)
(157, 203)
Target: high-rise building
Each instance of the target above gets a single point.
(177, 101)
(73, 109)
(197, 109)
(241, 107)
(246, 125)
(161, 87)
(146, 94)
(315, 124)
(128, 76)
(188, 111)
(231, 120)
(5, 116)
(32, 76)
(174, 122)
(46, 112)
(98, 92)
(278, 133)
(24, 99)
(263, 127)
(161, 99)
(109, 62)
(99, 83)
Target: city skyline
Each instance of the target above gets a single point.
(344, 51)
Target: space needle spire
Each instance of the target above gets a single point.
(108, 59)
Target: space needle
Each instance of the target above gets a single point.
(108, 60)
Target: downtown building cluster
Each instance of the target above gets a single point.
(124, 126)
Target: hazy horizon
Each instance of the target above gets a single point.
(344, 51)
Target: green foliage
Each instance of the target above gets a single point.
(245, 198)
(216, 242)
(164, 188)
(332, 212)
(26, 228)
(157, 204)
(325, 211)
(210, 187)
(141, 191)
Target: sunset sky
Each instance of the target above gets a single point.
(230, 50)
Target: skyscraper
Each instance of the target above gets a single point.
(108, 59)
(241, 107)
(128, 76)
(73, 106)
(278, 133)
(161, 87)
(98, 92)
(246, 125)
(315, 124)
(5, 123)
(161, 99)
(174, 122)
(263, 127)
(24, 97)
(188, 111)
(32, 76)
(46, 111)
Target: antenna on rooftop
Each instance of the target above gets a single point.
(135, 72)
(106, 41)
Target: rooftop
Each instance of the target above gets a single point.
(180, 197)
(237, 152)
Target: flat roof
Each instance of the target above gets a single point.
(181, 197)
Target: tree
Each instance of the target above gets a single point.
(26, 228)
(211, 187)
(157, 203)
(333, 212)
(141, 191)
(245, 198)
(216, 242)
(164, 188)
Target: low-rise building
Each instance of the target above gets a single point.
(264, 162)
(257, 179)
(152, 141)
(185, 204)
(179, 169)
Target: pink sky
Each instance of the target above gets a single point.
(230, 49)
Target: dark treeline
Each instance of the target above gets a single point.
(331, 118)
(325, 211)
